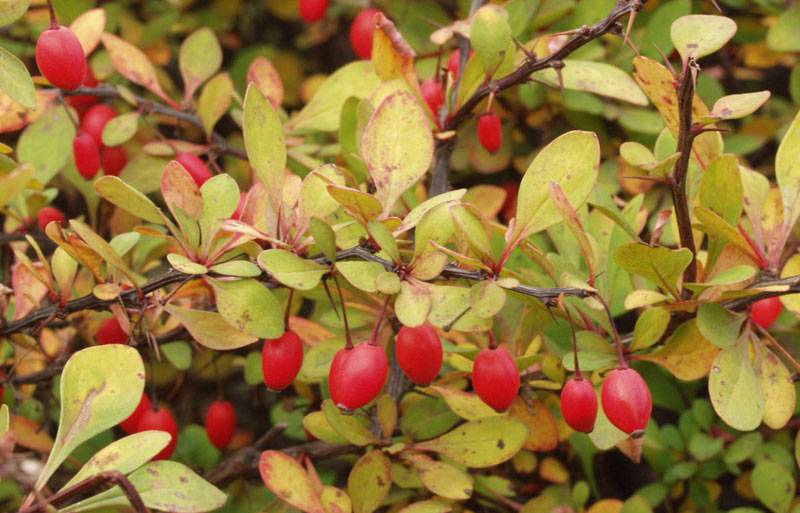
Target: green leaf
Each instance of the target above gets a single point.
(594, 352)
(660, 265)
(238, 268)
(362, 206)
(734, 390)
(324, 237)
(743, 448)
(322, 112)
(480, 443)
(316, 424)
(104, 249)
(11, 10)
(289, 481)
(369, 481)
(413, 303)
(4, 419)
(163, 485)
(384, 238)
(428, 506)
(347, 426)
(13, 183)
(782, 35)
(396, 150)
(291, 270)
(466, 405)
(736, 106)
(686, 354)
(594, 77)
(780, 394)
(441, 478)
(698, 35)
(100, 387)
(703, 447)
(15, 80)
(636, 504)
(787, 171)
(214, 101)
(200, 57)
(471, 229)
(220, 195)
(720, 326)
(121, 129)
(46, 144)
(490, 36)
(572, 161)
(773, 485)
(314, 196)
(119, 193)
(210, 329)
(263, 139)
(412, 218)
(179, 354)
(361, 275)
(487, 298)
(317, 361)
(184, 265)
(124, 455)
(650, 326)
(249, 306)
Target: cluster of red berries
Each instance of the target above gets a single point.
(625, 397)
(88, 150)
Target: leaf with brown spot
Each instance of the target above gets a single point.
(289, 481)
(480, 443)
(369, 481)
(267, 80)
(541, 424)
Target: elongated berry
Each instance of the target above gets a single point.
(579, 404)
(113, 159)
(60, 58)
(95, 119)
(129, 425)
(361, 32)
(626, 400)
(86, 155)
(160, 419)
(82, 102)
(495, 378)
(357, 375)
(312, 10)
(419, 353)
(433, 95)
(195, 166)
(49, 214)
(220, 423)
(281, 359)
(110, 332)
(490, 132)
(764, 312)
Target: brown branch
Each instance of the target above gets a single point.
(152, 107)
(91, 483)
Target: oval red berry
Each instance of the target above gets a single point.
(495, 378)
(281, 359)
(579, 404)
(86, 155)
(312, 10)
(357, 375)
(626, 400)
(419, 353)
(361, 32)
(490, 132)
(220, 423)
(160, 419)
(60, 58)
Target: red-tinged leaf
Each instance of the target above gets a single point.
(133, 64)
(289, 481)
(88, 27)
(28, 290)
(30, 435)
(267, 80)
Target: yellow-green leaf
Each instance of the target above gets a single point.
(698, 35)
(210, 329)
(46, 144)
(249, 306)
(289, 481)
(133, 64)
(119, 193)
(443, 479)
(11, 10)
(200, 57)
(291, 270)
(734, 389)
(348, 426)
(594, 77)
(263, 139)
(490, 36)
(660, 265)
(780, 394)
(15, 80)
(369, 481)
(120, 129)
(687, 354)
(214, 101)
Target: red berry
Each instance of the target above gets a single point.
(490, 132)
(110, 332)
(626, 400)
(237, 214)
(579, 404)
(129, 425)
(281, 359)
(160, 420)
(357, 375)
(48, 214)
(60, 58)
(220, 423)
(765, 311)
(361, 32)
(114, 159)
(95, 119)
(312, 10)
(82, 102)
(86, 155)
(419, 353)
(454, 62)
(433, 95)
(495, 378)
(195, 166)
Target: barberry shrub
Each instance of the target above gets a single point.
(408, 256)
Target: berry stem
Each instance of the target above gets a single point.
(53, 19)
(373, 337)
(348, 339)
(492, 340)
(623, 364)
(575, 363)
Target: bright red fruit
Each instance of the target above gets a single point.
(579, 404)
(419, 353)
(281, 359)
(86, 155)
(160, 419)
(48, 214)
(490, 132)
(312, 10)
(114, 159)
(60, 58)
(626, 400)
(433, 95)
(361, 32)
(95, 119)
(129, 425)
(765, 311)
(195, 166)
(357, 375)
(495, 378)
(82, 102)
(110, 332)
(220, 423)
